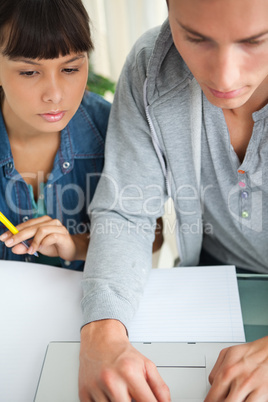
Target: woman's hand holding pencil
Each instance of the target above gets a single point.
(48, 236)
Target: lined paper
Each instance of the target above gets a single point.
(193, 304)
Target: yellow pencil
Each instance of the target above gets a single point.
(12, 229)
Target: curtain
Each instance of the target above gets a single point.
(116, 25)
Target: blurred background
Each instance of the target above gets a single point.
(116, 25)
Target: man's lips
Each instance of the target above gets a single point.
(53, 117)
(226, 95)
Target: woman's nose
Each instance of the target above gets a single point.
(52, 91)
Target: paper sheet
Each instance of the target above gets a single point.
(38, 304)
(193, 304)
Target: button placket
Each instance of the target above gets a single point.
(244, 195)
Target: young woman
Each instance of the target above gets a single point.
(192, 106)
(52, 131)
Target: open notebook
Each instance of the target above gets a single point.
(193, 304)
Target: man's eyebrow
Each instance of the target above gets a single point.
(193, 32)
(35, 63)
(257, 36)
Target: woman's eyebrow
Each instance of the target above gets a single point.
(24, 60)
(77, 57)
(193, 32)
(35, 63)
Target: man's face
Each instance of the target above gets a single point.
(225, 45)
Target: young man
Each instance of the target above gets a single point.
(190, 121)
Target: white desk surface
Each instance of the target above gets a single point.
(34, 298)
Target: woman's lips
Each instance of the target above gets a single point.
(226, 95)
(53, 117)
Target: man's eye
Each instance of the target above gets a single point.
(253, 42)
(195, 40)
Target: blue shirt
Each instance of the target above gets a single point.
(72, 181)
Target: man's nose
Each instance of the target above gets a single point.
(225, 72)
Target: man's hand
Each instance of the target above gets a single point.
(111, 369)
(241, 374)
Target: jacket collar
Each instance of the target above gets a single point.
(159, 73)
(87, 141)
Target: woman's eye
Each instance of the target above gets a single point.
(70, 70)
(28, 73)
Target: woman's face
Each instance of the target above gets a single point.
(225, 45)
(42, 95)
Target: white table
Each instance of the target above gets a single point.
(38, 304)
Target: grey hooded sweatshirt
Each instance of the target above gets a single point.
(161, 128)
(152, 153)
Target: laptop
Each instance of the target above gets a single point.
(182, 342)
(185, 368)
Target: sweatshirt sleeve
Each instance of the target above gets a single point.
(130, 196)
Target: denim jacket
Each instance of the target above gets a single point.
(72, 181)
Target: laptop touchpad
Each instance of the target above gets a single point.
(185, 383)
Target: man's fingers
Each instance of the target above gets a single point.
(128, 383)
(156, 383)
(114, 388)
(221, 390)
(257, 396)
(219, 379)
(240, 373)
(217, 365)
(108, 388)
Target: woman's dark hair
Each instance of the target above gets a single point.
(43, 29)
